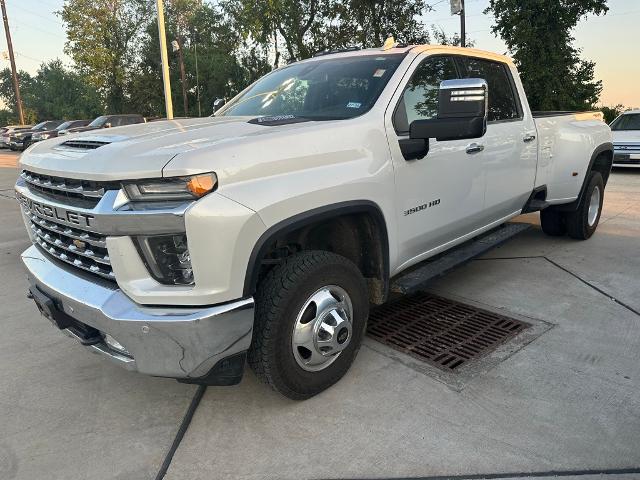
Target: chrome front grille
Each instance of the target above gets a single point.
(84, 250)
(626, 148)
(76, 192)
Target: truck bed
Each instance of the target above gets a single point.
(565, 140)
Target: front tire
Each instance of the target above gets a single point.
(582, 223)
(311, 314)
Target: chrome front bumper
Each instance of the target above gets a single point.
(182, 343)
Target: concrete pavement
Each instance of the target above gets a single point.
(568, 401)
(64, 413)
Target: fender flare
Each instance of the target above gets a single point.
(309, 217)
(605, 147)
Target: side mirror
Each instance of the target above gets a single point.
(218, 104)
(107, 125)
(462, 112)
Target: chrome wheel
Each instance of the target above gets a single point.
(594, 207)
(323, 328)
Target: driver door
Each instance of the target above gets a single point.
(439, 197)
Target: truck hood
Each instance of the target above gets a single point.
(626, 136)
(135, 151)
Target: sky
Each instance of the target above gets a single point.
(610, 41)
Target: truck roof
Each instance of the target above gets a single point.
(445, 49)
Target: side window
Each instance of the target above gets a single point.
(420, 98)
(502, 98)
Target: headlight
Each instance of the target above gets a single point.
(167, 258)
(42, 136)
(176, 188)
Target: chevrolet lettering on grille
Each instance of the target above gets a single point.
(61, 214)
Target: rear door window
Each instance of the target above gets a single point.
(503, 101)
(420, 98)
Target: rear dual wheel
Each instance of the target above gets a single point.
(311, 313)
(581, 223)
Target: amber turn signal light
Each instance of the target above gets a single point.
(200, 185)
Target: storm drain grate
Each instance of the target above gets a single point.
(440, 331)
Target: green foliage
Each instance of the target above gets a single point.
(224, 66)
(611, 113)
(102, 36)
(539, 35)
(441, 38)
(114, 46)
(296, 29)
(55, 92)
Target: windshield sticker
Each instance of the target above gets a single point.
(379, 72)
(354, 105)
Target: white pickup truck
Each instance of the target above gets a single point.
(183, 248)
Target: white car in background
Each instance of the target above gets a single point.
(626, 139)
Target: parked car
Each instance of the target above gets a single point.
(6, 132)
(106, 121)
(314, 192)
(70, 124)
(21, 140)
(626, 139)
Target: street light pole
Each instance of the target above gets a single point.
(166, 80)
(463, 33)
(14, 72)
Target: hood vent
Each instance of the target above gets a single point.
(84, 144)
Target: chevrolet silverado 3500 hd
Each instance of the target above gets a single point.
(183, 248)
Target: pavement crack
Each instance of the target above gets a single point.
(574, 275)
(526, 475)
(184, 425)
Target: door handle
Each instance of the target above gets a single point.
(529, 138)
(475, 148)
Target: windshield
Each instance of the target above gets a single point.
(98, 122)
(329, 89)
(39, 126)
(627, 122)
(64, 125)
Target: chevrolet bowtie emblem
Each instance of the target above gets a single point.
(80, 244)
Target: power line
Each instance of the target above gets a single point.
(49, 19)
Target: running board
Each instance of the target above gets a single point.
(417, 277)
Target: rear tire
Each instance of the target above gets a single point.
(295, 348)
(583, 222)
(552, 222)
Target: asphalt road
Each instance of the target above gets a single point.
(566, 404)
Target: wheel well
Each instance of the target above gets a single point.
(602, 164)
(359, 237)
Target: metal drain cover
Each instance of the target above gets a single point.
(440, 331)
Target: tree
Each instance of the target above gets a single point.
(225, 65)
(611, 113)
(441, 38)
(60, 93)
(55, 92)
(102, 36)
(538, 34)
(298, 29)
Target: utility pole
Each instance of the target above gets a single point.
(195, 46)
(14, 72)
(463, 27)
(166, 80)
(177, 45)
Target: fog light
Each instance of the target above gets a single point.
(115, 345)
(167, 258)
